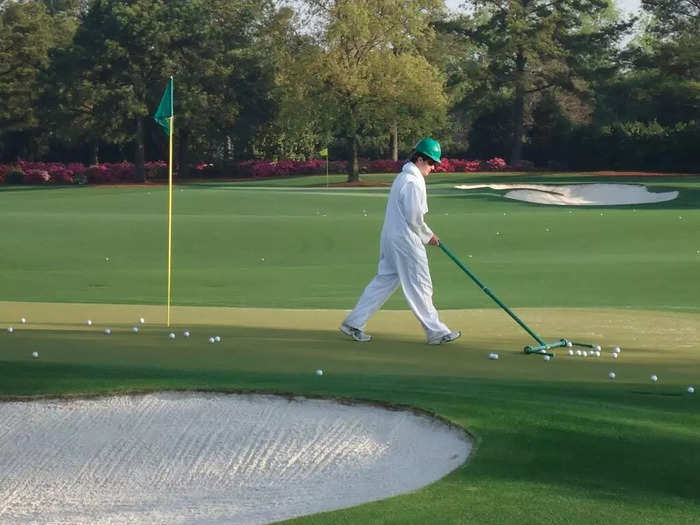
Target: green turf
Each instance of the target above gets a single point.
(555, 442)
(311, 248)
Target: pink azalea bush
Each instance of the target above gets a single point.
(111, 173)
(496, 164)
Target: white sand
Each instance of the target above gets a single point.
(578, 194)
(201, 458)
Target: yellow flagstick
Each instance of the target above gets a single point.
(170, 212)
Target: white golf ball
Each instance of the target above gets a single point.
(547, 358)
(614, 355)
(571, 352)
(35, 355)
(142, 320)
(319, 372)
(135, 329)
(654, 378)
(584, 353)
(691, 390)
(569, 344)
(171, 335)
(611, 375)
(578, 352)
(88, 322)
(598, 348)
(217, 339)
(617, 349)
(493, 355)
(10, 330)
(211, 339)
(186, 333)
(108, 331)
(597, 353)
(23, 320)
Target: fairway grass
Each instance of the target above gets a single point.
(273, 271)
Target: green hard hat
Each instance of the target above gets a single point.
(430, 148)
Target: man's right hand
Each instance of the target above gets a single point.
(434, 241)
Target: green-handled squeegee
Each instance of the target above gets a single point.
(539, 349)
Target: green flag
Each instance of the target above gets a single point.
(324, 152)
(165, 108)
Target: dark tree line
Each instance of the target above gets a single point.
(533, 81)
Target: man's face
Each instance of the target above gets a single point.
(425, 166)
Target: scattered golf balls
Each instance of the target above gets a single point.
(611, 375)
(23, 320)
(142, 320)
(171, 335)
(691, 390)
(217, 339)
(88, 322)
(654, 378)
(547, 358)
(319, 372)
(108, 331)
(493, 355)
(35, 355)
(571, 352)
(186, 333)
(10, 330)
(211, 339)
(135, 329)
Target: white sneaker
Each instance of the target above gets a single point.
(445, 338)
(355, 333)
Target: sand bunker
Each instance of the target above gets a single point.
(578, 194)
(210, 458)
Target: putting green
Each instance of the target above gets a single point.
(291, 340)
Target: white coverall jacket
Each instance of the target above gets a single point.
(402, 258)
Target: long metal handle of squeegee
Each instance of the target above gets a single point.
(489, 293)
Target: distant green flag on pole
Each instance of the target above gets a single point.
(165, 108)
(324, 152)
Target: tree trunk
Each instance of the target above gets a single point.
(354, 163)
(183, 163)
(139, 163)
(519, 108)
(94, 152)
(395, 141)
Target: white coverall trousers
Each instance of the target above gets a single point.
(401, 264)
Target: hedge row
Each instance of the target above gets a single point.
(23, 172)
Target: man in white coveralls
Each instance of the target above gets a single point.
(402, 257)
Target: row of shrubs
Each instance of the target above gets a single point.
(23, 172)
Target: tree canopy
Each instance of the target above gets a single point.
(544, 81)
